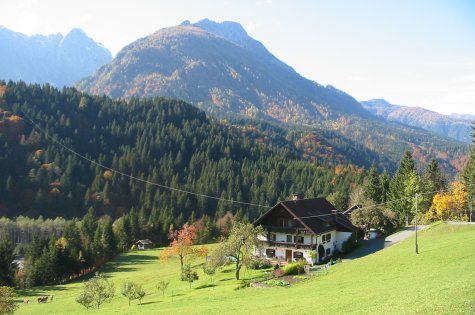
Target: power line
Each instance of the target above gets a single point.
(133, 177)
(204, 195)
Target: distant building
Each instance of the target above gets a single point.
(144, 244)
(19, 262)
(309, 229)
(350, 210)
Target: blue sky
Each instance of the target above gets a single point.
(410, 52)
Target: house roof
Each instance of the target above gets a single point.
(145, 242)
(316, 214)
(350, 210)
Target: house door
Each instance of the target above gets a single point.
(288, 254)
(321, 252)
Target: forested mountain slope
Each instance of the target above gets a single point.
(159, 140)
(456, 127)
(218, 67)
(221, 69)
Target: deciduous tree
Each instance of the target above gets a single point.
(96, 291)
(7, 301)
(239, 245)
(181, 245)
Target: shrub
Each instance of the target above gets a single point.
(276, 266)
(294, 268)
(243, 284)
(96, 291)
(7, 301)
(349, 244)
(259, 263)
(278, 273)
(277, 283)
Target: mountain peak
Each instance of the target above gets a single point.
(231, 31)
(55, 59)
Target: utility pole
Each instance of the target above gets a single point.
(470, 204)
(415, 219)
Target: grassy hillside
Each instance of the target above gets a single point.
(437, 281)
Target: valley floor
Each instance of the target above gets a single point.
(392, 281)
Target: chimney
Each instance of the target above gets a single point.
(297, 196)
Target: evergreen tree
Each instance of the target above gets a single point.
(385, 181)
(468, 173)
(373, 189)
(401, 202)
(6, 258)
(108, 239)
(89, 226)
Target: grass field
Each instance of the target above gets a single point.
(440, 280)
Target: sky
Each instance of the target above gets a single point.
(409, 52)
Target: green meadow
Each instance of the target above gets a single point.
(440, 280)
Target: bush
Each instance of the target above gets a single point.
(7, 301)
(277, 283)
(276, 266)
(242, 285)
(349, 244)
(278, 273)
(294, 268)
(259, 263)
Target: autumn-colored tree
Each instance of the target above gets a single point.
(449, 205)
(181, 245)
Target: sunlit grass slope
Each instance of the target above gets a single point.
(440, 280)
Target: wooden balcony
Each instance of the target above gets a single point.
(290, 245)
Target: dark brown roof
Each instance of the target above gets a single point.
(316, 214)
(144, 242)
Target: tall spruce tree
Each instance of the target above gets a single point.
(401, 202)
(432, 180)
(372, 189)
(6, 257)
(385, 181)
(468, 173)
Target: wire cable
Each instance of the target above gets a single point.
(133, 177)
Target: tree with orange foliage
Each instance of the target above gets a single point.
(447, 205)
(181, 245)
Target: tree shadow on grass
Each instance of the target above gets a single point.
(227, 270)
(152, 302)
(109, 269)
(40, 291)
(204, 286)
(226, 279)
(134, 259)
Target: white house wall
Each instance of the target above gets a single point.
(336, 241)
(341, 237)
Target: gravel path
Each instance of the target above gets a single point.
(371, 246)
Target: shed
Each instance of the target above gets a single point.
(144, 244)
(373, 234)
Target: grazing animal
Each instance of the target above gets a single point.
(51, 298)
(26, 301)
(43, 299)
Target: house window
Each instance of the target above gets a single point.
(323, 238)
(281, 222)
(273, 237)
(329, 237)
(298, 255)
(290, 223)
(299, 239)
(328, 252)
(289, 238)
(270, 253)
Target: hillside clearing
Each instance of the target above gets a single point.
(437, 281)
